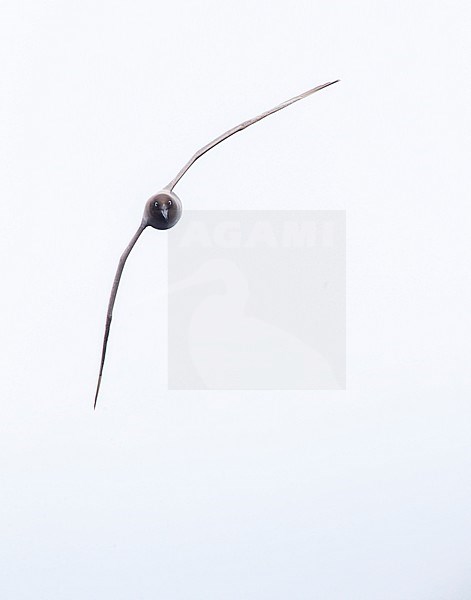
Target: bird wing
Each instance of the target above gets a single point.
(240, 127)
(114, 291)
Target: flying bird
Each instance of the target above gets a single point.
(164, 209)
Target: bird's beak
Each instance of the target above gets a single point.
(164, 211)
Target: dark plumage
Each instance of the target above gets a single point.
(163, 210)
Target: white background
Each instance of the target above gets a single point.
(362, 494)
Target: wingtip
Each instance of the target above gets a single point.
(323, 86)
(97, 391)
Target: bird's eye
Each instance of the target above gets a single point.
(156, 204)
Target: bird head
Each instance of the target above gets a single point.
(163, 210)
